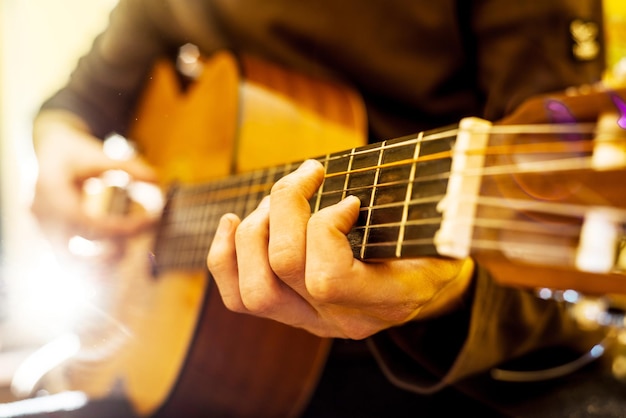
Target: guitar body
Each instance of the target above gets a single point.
(178, 351)
(519, 200)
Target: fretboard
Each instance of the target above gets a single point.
(399, 183)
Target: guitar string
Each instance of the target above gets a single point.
(266, 187)
(507, 149)
(545, 229)
(449, 134)
(231, 191)
(235, 192)
(540, 230)
(514, 149)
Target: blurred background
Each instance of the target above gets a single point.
(40, 41)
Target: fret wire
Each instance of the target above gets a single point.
(320, 192)
(347, 179)
(193, 244)
(206, 223)
(212, 209)
(254, 198)
(409, 192)
(371, 202)
(195, 225)
(240, 201)
(204, 226)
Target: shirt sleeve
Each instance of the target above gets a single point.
(496, 324)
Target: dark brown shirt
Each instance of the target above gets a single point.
(418, 64)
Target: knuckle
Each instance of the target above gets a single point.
(217, 259)
(234, 304)
(214, 260)
(284, 261)
(282, 185)
(317, 222)
(259, 303)
(244, 230)
(322, 288)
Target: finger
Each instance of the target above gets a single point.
(331, 265)
(222, 263)
(238, 261)
(136, 168)
(59, 215)
(290, 213)
(262, 292)
(60, 201)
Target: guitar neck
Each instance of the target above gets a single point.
(454, 192)
(399, 183)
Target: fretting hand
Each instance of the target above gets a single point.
(284, 263)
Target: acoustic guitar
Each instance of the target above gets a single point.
(536, 198)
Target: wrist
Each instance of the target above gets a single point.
(455, 295)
